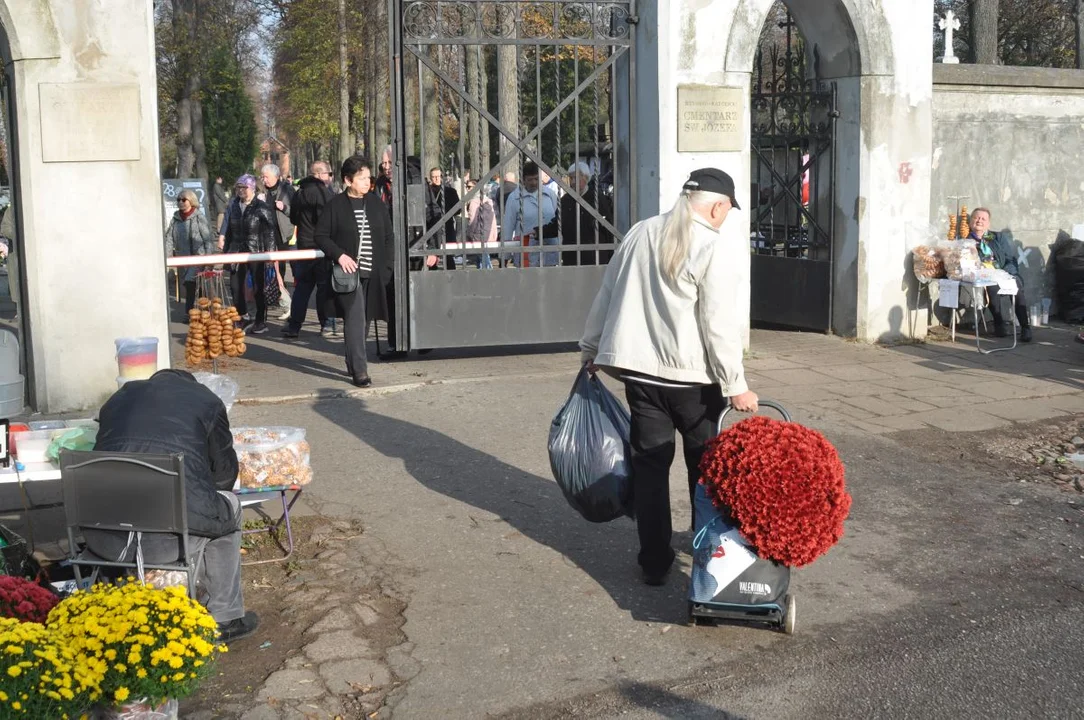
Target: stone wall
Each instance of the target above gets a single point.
(1013, 139)
(87, 193)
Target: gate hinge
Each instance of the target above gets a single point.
(633, 20)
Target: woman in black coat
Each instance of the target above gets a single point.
(354, 232)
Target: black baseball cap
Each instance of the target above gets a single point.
(712, 180)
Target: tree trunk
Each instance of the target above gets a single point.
(382, 105)
(984, 15)
(185, 152)
(508, 103)
(410, 107)
(199, 142)
(1080, 34)
(474, 121)
(345, 138)
(431, 119)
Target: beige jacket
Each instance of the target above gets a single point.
(689, 333)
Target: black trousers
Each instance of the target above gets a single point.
(309, 275)
(189, 295)
(355, 328)
(998, 302)
(656, 413)
(259, 288)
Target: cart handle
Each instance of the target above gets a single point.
(763, 403)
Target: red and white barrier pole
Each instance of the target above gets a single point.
(232, 258)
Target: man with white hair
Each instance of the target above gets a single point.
(280, 196)
(667, 321)
(579, 226)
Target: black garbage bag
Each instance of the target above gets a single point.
(589, 451)
(1068, 256)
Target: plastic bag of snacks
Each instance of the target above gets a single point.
(162, 579)
(927, 263)
(272, 457)
(961, 259)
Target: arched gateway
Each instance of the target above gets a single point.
(873, 59)
(82, 159)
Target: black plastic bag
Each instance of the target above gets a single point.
(589, 451)
(1068, 258)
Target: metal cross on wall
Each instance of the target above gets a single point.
(950, 24)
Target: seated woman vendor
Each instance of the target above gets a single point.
(997, 252)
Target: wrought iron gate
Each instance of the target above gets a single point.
(492, 86)
(793, 203)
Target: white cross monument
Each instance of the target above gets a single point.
(950, 23)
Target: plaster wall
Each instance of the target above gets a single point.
(1012, 139)
(879, 55)
(90, 213)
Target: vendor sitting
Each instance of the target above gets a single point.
(997, 252)
(172, 413)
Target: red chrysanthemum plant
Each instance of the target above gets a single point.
(25, 600)
(782, 483)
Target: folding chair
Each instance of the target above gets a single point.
(129, 493)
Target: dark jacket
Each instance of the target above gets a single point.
(251, 231)
(437, 202)
(1005, 255)
(337, 235)
(309, 201)
(581, 230)
(218, 202)
(172, 413)
(284, 229)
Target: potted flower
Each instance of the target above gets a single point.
(39, 675)
(24, 600)
(153, 646)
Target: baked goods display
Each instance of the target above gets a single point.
(965, 227)
(952, 227)
(961, 259)
(927, 262)
(272, 457)
(211, 332)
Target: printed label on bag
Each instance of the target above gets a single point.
(754, 588)
(730, 559)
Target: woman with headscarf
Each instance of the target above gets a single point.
(189, 233)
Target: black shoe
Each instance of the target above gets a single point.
(392, 356)
(258, 329)
(1025, 334)
(290, 333)
(1001, 330)
(655, 580)
(363, 382)
(239, 628)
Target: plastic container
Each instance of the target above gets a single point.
(11, 396)
(122, 380)
(33, 446)
(9, 356)
(272, 457)
(137, 358)
(48, 425)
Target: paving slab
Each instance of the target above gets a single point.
(963, 419)
(1021, 410)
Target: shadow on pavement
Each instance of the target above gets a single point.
(531, 504)
(667, 704)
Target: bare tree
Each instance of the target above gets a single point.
(345, 138)
(984, 14)
(431, 115)
(508, 99)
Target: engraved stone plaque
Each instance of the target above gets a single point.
(710, 118)
(89, 122)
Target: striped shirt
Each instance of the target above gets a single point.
(365, 237)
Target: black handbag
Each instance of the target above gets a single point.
(343, 282)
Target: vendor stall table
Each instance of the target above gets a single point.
(971, 288)
(254, 497)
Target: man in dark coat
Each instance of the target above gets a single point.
(578, 226)
(996, 251)
(439, 199)
(355, 233)
(172, 413)
(308, 204)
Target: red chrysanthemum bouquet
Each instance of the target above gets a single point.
(783, 484)
(24, 600)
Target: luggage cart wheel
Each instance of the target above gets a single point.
(789, 619)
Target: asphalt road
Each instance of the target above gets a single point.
(943, 599)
